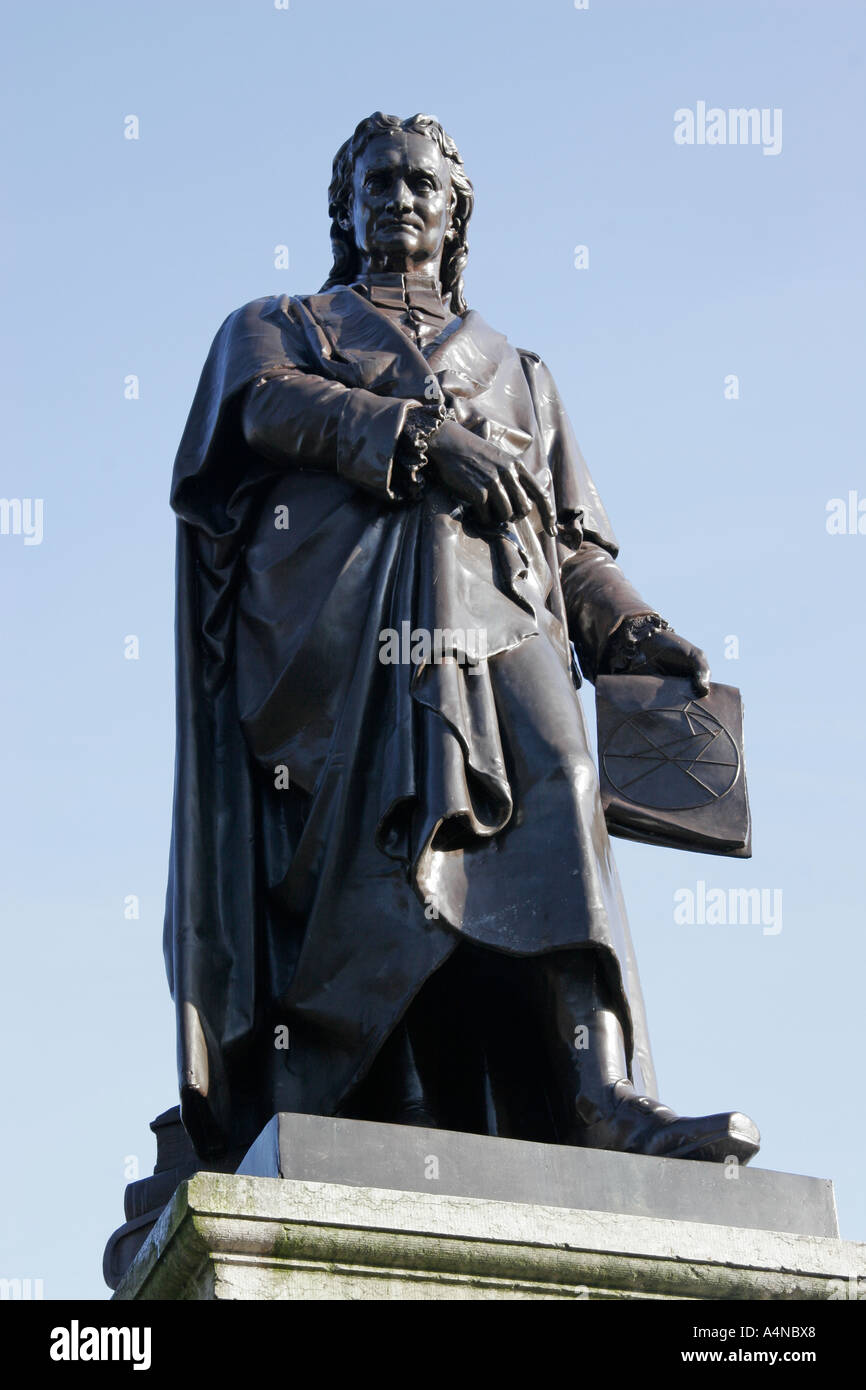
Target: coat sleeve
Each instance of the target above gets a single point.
(597, 595)
(598, 599)
(302, 419)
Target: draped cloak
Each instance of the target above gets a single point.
(339, 818)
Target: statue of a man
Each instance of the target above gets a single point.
(392, 895)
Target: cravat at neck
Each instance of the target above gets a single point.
(410, 292)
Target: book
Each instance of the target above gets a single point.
(671, 764)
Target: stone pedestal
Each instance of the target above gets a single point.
(228, 1237)
(432, 1215)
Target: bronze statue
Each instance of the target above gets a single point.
(392, 895)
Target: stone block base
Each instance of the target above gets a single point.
(236, 1237)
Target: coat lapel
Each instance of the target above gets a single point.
(466, 362)
(362, 346)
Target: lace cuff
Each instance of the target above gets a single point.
(623, 655)
(422, 422)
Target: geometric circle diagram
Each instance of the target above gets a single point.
(671, 759)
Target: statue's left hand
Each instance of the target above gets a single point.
(665, 653)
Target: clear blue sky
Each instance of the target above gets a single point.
(124, 256)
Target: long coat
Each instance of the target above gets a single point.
(339, 818)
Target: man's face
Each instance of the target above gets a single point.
(401, 199)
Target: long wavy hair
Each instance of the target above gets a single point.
(455, 253)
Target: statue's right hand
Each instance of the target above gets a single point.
(476, 472)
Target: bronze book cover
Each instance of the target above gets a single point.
(671, 765)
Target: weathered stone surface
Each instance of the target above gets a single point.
(320, 1149)
(234, 1237)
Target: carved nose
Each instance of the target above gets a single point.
(400, 199)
